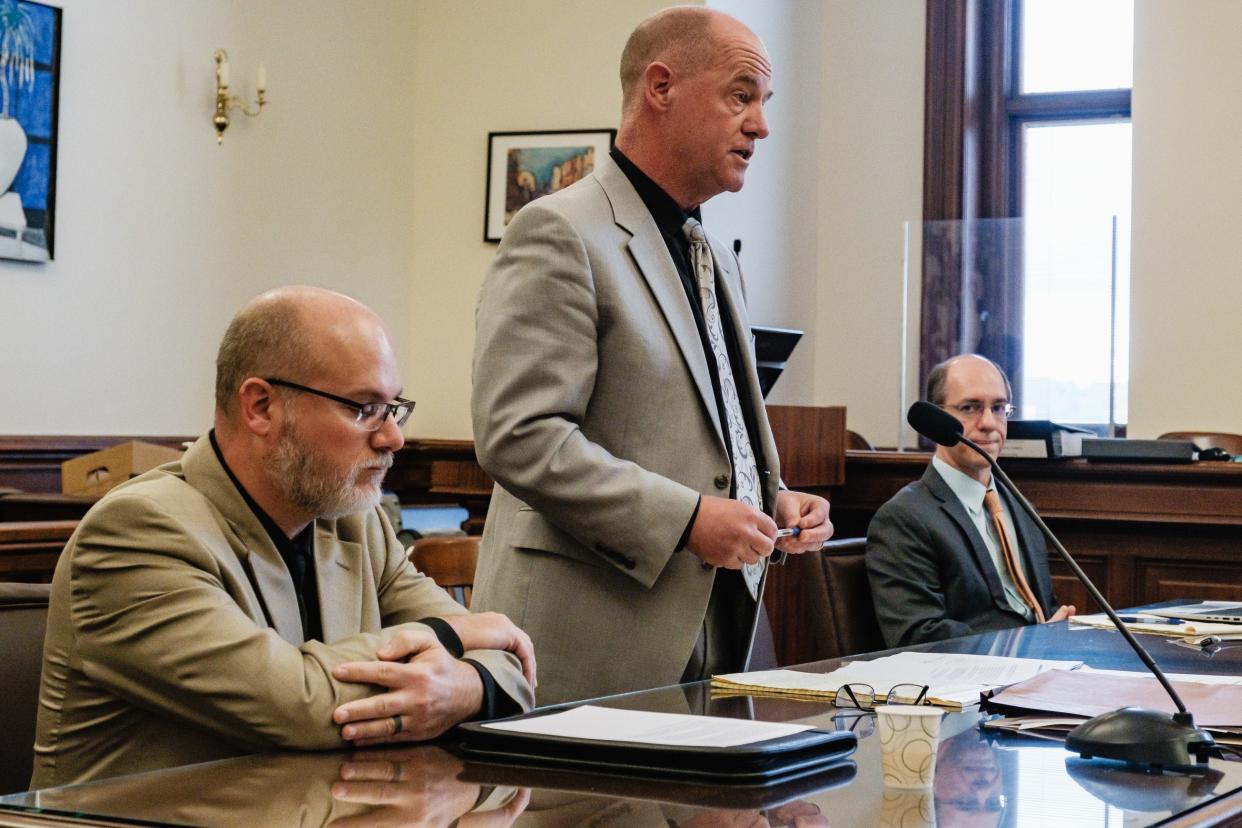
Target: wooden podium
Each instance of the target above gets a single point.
(811, 443)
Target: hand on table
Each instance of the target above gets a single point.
(1066, 611)
(417, 786)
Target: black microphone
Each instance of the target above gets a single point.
(1130, 734)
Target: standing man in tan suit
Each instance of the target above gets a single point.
(615, 396)
(252, 596)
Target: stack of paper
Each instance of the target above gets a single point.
(1157, 625)
(1059, 701)
(954, 681)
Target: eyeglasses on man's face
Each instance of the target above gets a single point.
(863, 696)
(370, 416)
(973, 409)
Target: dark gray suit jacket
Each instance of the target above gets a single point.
(931, 574)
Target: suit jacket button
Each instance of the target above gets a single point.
(629, 563)
(722, 481)
(706, 565)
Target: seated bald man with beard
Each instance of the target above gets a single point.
(252, 596)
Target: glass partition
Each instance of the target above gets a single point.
(1047, 300)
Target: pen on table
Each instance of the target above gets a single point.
(1151, 619)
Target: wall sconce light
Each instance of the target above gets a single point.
(225, 101)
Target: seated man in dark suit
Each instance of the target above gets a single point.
(251, 596)
(947, 556)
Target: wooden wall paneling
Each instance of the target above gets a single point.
(442, 472)
(29, 549)
(810, 441)
(1165, 581)
(32, 463)
(1069, 590)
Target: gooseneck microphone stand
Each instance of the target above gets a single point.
(1130, 734)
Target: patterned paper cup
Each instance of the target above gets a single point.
(908, 809)
(908, 738)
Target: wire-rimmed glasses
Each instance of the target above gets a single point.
(863, 696)
(973, 410)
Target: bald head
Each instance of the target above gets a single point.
(288, 332)
(683, 37)
(938, 379)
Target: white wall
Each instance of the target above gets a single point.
(161, 235)
(366, 173)
(870, 184)
(486, 66)
(775, 214)
(1187, 225)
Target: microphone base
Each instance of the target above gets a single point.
(1142, 737)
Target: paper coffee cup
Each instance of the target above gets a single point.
(907, 809)
(908, 738)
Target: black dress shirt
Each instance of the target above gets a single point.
(670, 218)
(298, 553)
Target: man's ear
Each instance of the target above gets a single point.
(658, 85)
(256, 404)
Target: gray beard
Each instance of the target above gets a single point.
(308, 484)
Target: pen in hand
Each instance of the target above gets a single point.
(778, 556)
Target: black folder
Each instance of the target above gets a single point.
(703, 793)
(769, 762)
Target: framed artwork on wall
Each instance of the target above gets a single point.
(29, 97)
(522, 166)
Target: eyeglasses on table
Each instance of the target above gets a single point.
(863, 696)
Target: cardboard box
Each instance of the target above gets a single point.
(93, 474)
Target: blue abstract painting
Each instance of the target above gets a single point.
(29, 92)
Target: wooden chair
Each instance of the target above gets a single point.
(831, 606)
(450, 562)
(23, 623)
(1231, 443)
(856, 442)
(851, 626)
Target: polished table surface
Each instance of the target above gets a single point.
(980, 780)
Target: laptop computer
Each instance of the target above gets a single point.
(1219, 612)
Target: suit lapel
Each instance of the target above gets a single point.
(257, 555)
(340, 593)
(953, 507)
(653, 260)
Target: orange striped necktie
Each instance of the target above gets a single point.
(992, 503)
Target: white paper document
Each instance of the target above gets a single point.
(678, 730)
(1197, 678)
(953, 679)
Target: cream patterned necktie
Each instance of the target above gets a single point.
(745, 470)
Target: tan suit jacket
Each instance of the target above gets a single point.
(174, 634)
(594, 411)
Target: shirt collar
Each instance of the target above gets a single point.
(967, 489)
(668, 215)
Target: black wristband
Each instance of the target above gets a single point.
(496, 702)
(448, 636)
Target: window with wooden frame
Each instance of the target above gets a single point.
(1027, 196)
